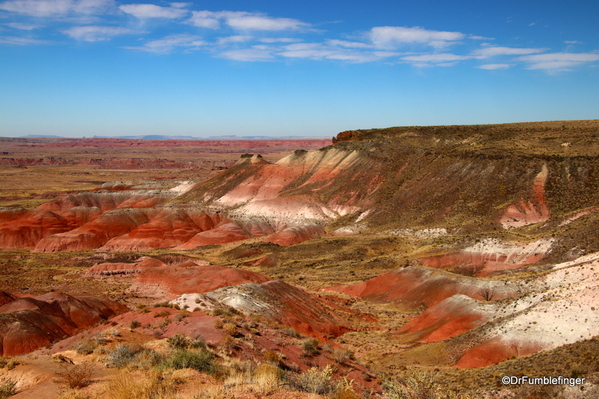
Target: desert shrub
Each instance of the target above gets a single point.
(314, 381)
(180, 316)
(134, 324)
(180, 341)
(218, 324)
(310, 347)
(133, 355)
(162, 313)
(143, 308)
(8, 388)
(197, 359)
(230, 328)
(74, 376)
(86, 347)
(341, 355)
(414, 384)
(271, 357)
(292, 333)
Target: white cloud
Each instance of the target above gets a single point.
(152, 11)
(22, 26)
(22, 41)
(234, 39)
(97, 33)
(53, 8)
(435, 58)
(572, 42)
(558, 61)
(256, 53)
(260, 22)
(494, 66)
(345, 43)
(497, 50)
(204, 19)
(279, 40)
(242, 20)
(169, 43)
(394, 36)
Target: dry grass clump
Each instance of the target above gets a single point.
(181, 341)
(310, 347)
(314, 381)
(153, 386)
(74, 376)
(8, 388)
(8, 363)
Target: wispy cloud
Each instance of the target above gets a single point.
(22, 41)
(169, 43)
(396, 36)
(97, 33)
(254, 53)
(572, 42)
(558, 61)
(176, 10)
(247, 21)
(493, 51)
(23, 26)
(494, 66)
(53, 8)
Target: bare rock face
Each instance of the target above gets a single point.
(27, 324)
(168, 282)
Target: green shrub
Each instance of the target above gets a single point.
(197, 359)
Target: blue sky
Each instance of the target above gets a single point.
(104, 67)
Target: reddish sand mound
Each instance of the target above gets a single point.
(172, 281)
(96, 233)
(31, 227)
(171, 227)
(490, 256)
(295, 235)
(494, 351)
(226, 232)
(30, 323)
(449, 318)
(419, 286)
(111, 269)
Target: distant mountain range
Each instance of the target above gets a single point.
(163, 137)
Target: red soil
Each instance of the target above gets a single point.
(494, 351)
(295, 235)
(30, 323)
(419, 286)
(171, 281)
(449, 318)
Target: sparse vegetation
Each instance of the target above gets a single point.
(8, 388)
(74, 376)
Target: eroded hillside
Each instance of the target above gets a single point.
(448, 252)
